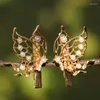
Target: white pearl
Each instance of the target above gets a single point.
(20, 47)
(37, 38)
(28, 58)
(63, 38)
(22, 67)
(57, 59)
(78, 53)
(70, 68)
(17, 69)
(22, 54)
(61, 67)
(78, 66)
(19, 40)
(80, 46)
(81, 39)
(84, 67)
(43, 59)
(38, 67)
(31, 68)
(26, 75)
(73, 57)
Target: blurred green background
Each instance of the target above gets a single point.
(50, 14)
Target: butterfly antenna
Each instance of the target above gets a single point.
(84, 29)
(36, 29)
(62, 27)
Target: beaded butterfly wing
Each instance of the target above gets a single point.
(68, 51)
(31, 51)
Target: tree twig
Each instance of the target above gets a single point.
(88, 62)
(8, 64)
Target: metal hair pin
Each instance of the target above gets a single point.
(68, 51)
(32, 52)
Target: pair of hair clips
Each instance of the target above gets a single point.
(32, 52)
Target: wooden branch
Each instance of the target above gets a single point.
(8, 64)
(88, 62)
(91, 62)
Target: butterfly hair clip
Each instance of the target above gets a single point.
(32, 53)
(68, 51)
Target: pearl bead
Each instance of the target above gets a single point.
(26, 75)
(84, 67)
(20, 47)
(17, 69)
(73, 57)
(81, 39)
(31, 68)
(78, 66)
(19, 40)
(22, 67)
(37, 38)
(80, 46)
(63, 38)
(57, 59)
(43, 59)
(78, 53)
(61, 67)
(70, 68)
(65, 63)
(22, 54)
(28, 58)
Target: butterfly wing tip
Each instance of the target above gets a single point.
(38, 27)
(14, 29)
(62, 27)
(84, 28)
